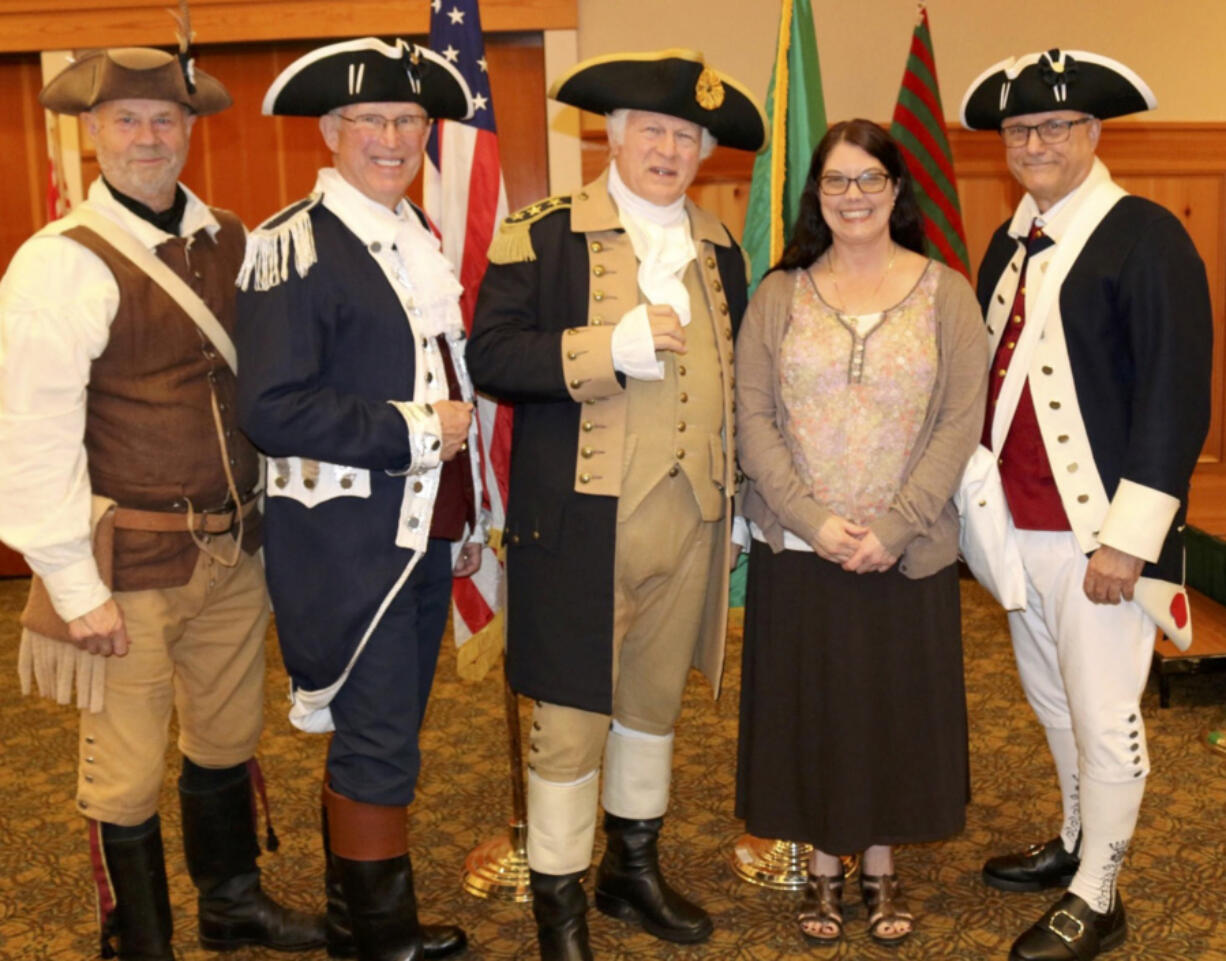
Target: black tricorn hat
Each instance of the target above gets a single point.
(1054, 80)
(131, 73)
(676, 82)
(369, 71)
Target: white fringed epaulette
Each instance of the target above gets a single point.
(266, 263)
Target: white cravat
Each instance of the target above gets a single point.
(664, 248)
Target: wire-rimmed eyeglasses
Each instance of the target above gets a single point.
(373, 124)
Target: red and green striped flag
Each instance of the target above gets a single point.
(919, 128)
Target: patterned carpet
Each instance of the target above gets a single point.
(1173, 882)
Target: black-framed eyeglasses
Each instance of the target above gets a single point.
(870, 182)
(1049, 131)
(372, 124)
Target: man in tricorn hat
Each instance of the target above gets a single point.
(117, 391)
(608, 317)
(1098, 313)
(353, 382)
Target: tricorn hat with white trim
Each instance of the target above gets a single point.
(369, 71)
(1054, 80)
(676, 82)
(132, 73)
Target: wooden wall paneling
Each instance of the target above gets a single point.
(517, 86)
(32, 25)
(23, 162)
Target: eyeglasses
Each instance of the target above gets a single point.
(1049, 131)
(870, 182)
(373, 125)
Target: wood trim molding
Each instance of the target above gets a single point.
(34, 25)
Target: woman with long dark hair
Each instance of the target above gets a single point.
(861, 370)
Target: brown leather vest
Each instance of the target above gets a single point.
(149, 431)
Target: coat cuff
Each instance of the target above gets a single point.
(1138, 520)
(633, 347)
(77, 589)
(425, 437)
(587, 362)
(893, 532)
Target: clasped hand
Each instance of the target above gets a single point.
(853, 547)
(454, 418)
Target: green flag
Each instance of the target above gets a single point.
(797, 119)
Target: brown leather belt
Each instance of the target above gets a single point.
(131, 519)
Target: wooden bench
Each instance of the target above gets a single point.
(1207, 653)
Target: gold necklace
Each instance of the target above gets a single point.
(842, 306)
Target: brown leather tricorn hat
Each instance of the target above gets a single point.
(132, 73)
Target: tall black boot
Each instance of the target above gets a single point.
(437, 940)
(219, 842)
(629, 885)
(140, 920)
(560, 908)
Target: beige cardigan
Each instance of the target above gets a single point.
(921, 525)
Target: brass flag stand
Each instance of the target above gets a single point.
(498, 868)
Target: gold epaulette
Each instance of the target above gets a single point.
(513, 242)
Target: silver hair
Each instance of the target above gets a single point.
(615, 127)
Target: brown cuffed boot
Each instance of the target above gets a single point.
(368, 853)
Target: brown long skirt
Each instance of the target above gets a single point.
(853, 709)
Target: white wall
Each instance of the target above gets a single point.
(1177, 46)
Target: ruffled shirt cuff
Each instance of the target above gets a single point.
(633, 347)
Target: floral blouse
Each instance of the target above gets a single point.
(855, 392)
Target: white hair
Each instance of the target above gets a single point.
(615, 127)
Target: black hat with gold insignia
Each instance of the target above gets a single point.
(676, 82)
(369, 71)
(1054, 80)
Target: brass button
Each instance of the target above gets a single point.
(727, 332)
(710, 261)
(1017, 320)
(674, 471)
(308, 483)
(717, 286)
(585, 478)
(598, 270)
(681, 427)
(281, 481)
(587, 452)
(417, 487)
(1011, 344)
(1072, 468)
(1063, 438)
(597, 321)
(1082, 498)
(571, 355)
(536, 535)
(598, 295)
(596, 246)
(1001, 372)
(1054, 405)
(587, 425)
(681, 370)
(89, 760)
(89, 778)
(346, 482)
(680, 453)
(376, 247)
(429, 377)
(1046, 369)
(414, 523)
(575, 383)
(83, 805)
(514, 538)
(684, 398)
(89, 739)
(571, 330)
(723, 308)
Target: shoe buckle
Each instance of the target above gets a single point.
(1074, 926)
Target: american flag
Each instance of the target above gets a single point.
(465, 197)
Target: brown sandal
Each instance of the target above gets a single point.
(823, 905)
(885, 906)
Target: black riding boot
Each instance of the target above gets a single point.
(437, 940)
(560, 908)
(629, 885)
(140, 921)
(220, 845)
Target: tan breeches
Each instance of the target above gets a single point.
(662, 572)
(198, 649)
